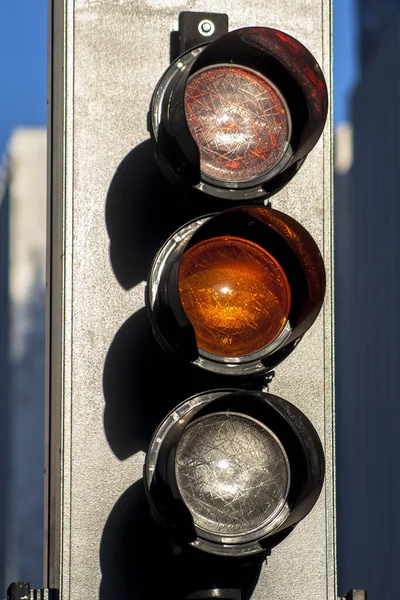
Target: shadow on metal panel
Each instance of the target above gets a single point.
(143, 209)
(141, 384)
(133, 548)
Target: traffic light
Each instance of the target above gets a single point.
(231, 472)
(220, 366)
(236, 117)
(234, 292)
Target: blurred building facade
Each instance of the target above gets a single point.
(376, 18)
(4, 364)
(368, 322)
(22, 347)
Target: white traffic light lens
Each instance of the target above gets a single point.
(232, 474)
(235, 294)
(239, 121)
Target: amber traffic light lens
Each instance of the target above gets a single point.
(239, 121)
(235, 294)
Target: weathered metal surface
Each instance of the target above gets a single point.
(108, 380)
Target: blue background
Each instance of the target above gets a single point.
(345, 57)
(23, 65)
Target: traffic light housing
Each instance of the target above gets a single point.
(236, 117)
(108, 375)
(233, 292)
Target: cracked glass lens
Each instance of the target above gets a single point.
(231, 472)
(235, 294)
(239, 121)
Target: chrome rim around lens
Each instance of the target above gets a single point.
(222, 450)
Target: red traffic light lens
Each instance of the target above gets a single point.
(239, 121)
(235, 294)
(236, 118)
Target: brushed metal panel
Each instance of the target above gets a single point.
(106, 225)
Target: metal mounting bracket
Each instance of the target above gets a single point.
(21, 590)
(196, 28)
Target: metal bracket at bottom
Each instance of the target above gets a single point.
(21, 590)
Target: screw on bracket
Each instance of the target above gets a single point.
(196, 28)
(206, 27)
